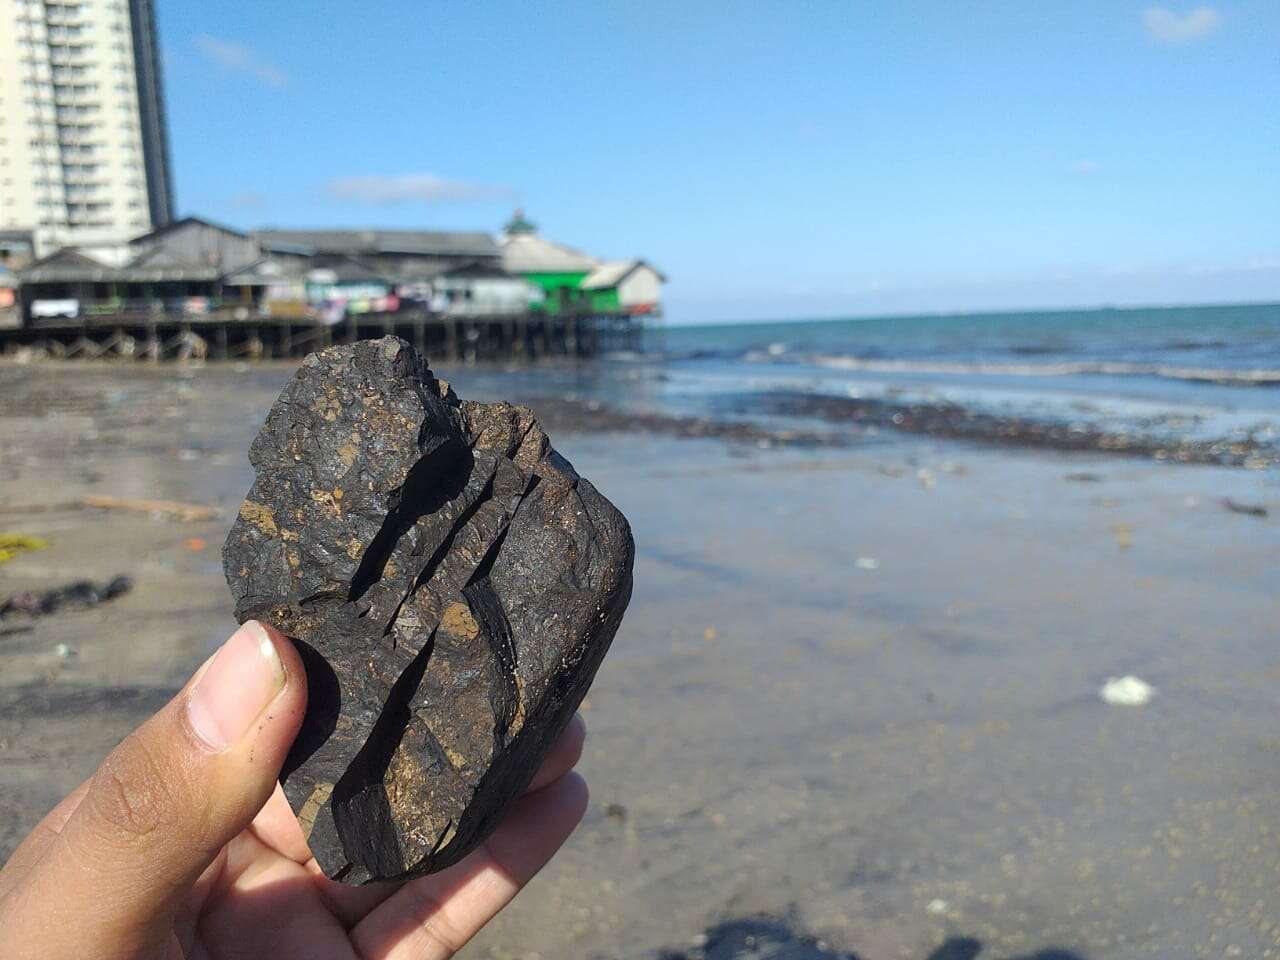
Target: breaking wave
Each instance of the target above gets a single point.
(1219, 375)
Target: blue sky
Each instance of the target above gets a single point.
(785, 159)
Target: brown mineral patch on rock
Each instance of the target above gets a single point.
(457, 620)
(259, 515)
(307, 815)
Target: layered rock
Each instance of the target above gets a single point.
(452, 585)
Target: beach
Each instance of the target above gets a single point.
(858, 684)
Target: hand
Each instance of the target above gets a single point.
(183, 845)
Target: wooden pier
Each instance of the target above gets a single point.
(156, 337)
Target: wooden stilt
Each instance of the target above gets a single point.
(158, 336)
(451, 339)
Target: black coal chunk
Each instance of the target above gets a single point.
(452, 585)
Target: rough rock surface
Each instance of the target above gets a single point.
(452, 585)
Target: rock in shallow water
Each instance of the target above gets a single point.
(452, 585)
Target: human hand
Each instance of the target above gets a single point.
(183, 845)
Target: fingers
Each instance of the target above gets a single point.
(165, 802)
(564, 754)
(30, 850)
(277, 827)
(353, 904)
(431, 918)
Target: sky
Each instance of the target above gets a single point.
(789, 159)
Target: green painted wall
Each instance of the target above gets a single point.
(561, 288)
(564, 289)
(603, 300)
(551, 282)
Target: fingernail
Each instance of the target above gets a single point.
(241, 681)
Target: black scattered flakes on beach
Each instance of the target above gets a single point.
(771, 938)
(755, 938)
(616, 812)
(1247, 509)
(589, 416)
(72, 596)
(864, 418)
(39, 701)
(956, 422)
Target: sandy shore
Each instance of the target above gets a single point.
(857, 686)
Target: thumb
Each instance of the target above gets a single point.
(167, 800)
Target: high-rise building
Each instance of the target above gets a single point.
(84, 153)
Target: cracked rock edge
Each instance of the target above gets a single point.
(452, 586)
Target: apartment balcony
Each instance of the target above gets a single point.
(69, 56)
(75, 22)
(78, 139)
(72, 99)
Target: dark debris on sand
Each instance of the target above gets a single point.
(588, 416)
(772, 938)
(956, 422)
(73, 596)
(863, 417)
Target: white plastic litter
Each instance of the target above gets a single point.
(867, 563)
(1127, 691)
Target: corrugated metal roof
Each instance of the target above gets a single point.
(530, 253)
(60, 273)
(438, 242)
(420, 269)
(613, 273)
(340, 269)
(71, 266)
(608, 274)
(172, 225)
(262, 272)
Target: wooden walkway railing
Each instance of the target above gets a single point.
(153, 337)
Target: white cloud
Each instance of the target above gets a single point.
(413, 188)
(1086, 167)
(1258, 264)
(238, 58)
(1169, 27)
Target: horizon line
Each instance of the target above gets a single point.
(1004, 311)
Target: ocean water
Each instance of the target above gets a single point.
(1236, 345)
(1206, 374)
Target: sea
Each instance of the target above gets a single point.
(1205, 374)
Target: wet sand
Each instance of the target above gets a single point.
(857, 685)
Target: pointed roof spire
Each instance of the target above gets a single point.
(518, 224)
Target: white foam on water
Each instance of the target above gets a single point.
(1258, 377)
